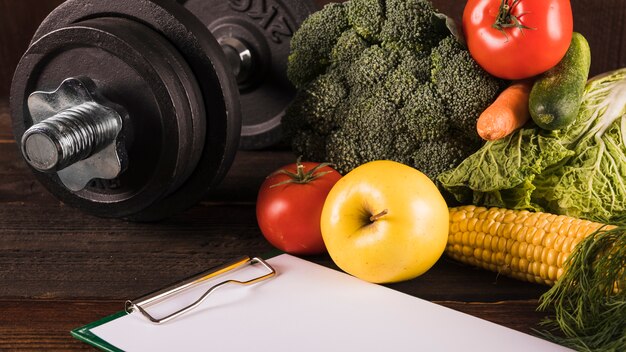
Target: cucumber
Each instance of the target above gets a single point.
(557, 94)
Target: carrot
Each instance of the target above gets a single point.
(507, 113)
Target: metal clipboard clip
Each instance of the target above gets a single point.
(143, 302)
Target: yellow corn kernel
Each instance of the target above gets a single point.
(487, 241)
(567, 243)
(509, 217)
(543, 270)
(465, 237)
(486, 224)
(472, 238)
(558, 243)
(521, 252)
(548, 239)
(535, 268)
(552, 256)
(498, 258)
(515, 249)
(454, 227)
(517, 228)
(531, 221)
(501, 246)
(530, 249)
(523, 265)
(537, 253)
(552, 272)
(471, 225)
(458, 216)
(458, 237)
(480, 239)
(457, 248)
(538, 237)
(564, 229)
(463, 225)
(486, 256)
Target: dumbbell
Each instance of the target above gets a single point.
(135, 109)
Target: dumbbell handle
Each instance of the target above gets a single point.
(239, 57)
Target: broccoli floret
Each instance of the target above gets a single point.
(398, 86)
(367, 18)
(362, 135)
(314, 106)
(464, 87)
(371, 68)
(417, 62)
(348, 49)
(413, 24)
(425, 115)
(307, 143)
(311, 46)
(341, 151)
(448, 153)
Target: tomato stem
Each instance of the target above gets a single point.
(300, 176)
(506, 18)
(376, 217)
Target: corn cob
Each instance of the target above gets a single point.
(524, 245)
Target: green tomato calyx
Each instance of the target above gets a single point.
(506, 18)
(301, 176)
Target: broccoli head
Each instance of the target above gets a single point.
(388, 80)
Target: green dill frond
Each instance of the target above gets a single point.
(589, 300)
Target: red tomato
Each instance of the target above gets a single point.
(515, 39)
(289, 212)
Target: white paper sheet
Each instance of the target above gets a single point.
(308, 307)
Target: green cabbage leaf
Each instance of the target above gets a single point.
(579, 171)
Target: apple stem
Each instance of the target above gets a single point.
(379, 215)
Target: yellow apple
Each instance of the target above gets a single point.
(385, 222)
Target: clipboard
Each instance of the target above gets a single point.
(141, 304)
(302, 306)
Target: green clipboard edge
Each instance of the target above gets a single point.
(84, 333)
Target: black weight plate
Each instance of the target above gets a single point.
(207, 62)
(266, 26)
(136, 68)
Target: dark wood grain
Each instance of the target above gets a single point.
(60, 268)
(18, 21)
(6, 136)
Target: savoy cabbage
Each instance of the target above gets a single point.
(579, 171)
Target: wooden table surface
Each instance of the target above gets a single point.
(61, 269)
